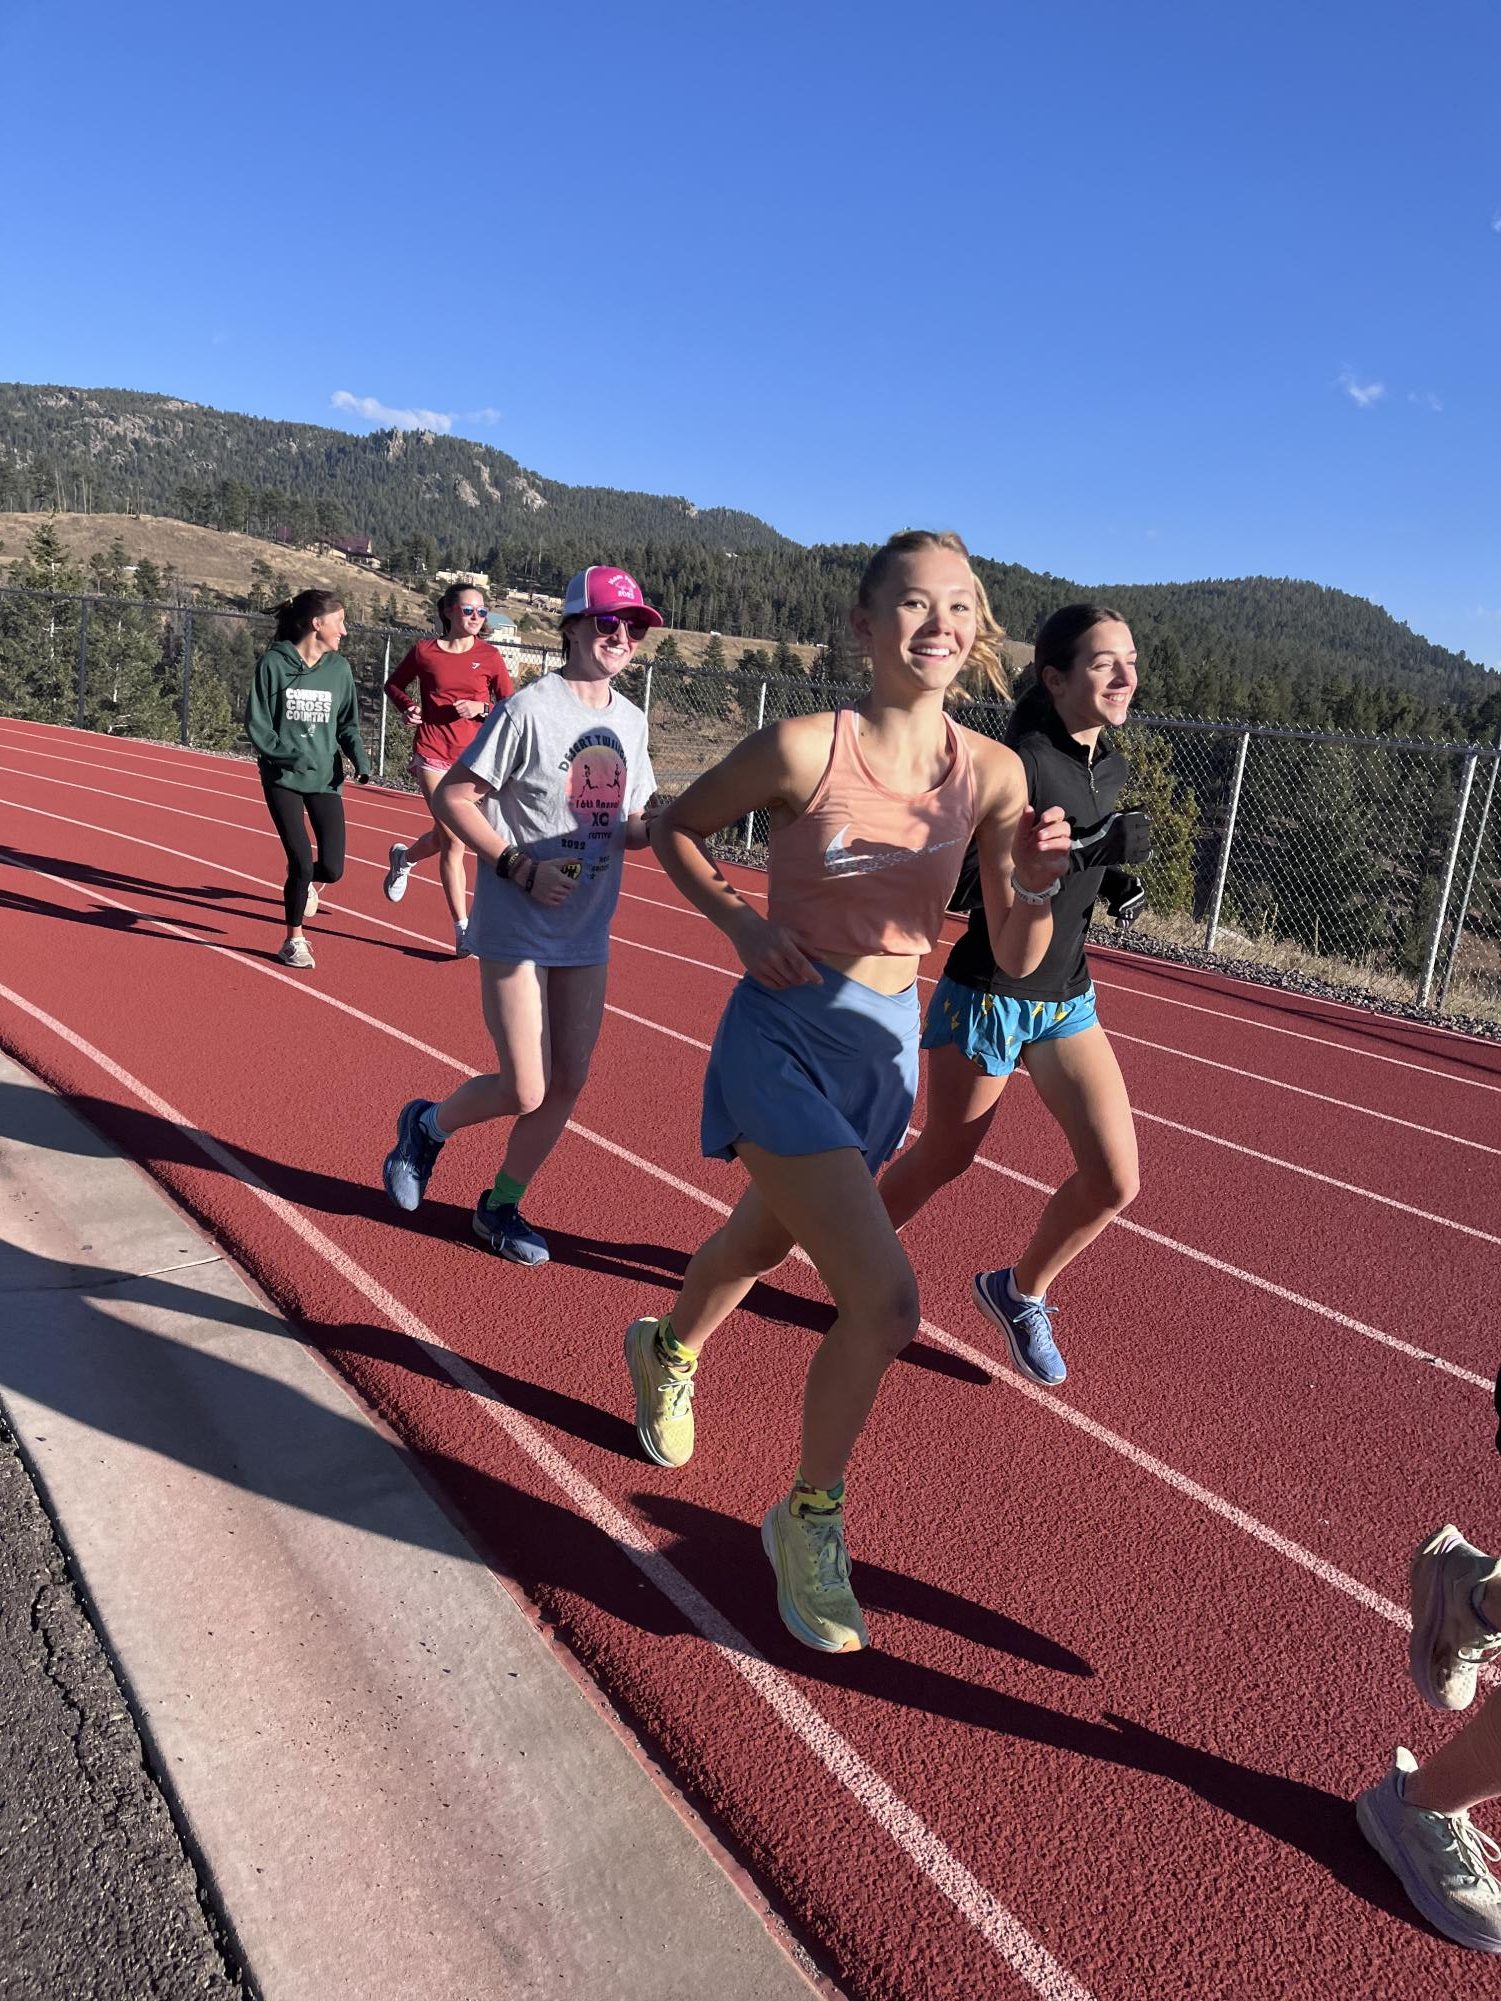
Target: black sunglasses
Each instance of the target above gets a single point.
(605, 623)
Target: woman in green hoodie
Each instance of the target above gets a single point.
(303, 720)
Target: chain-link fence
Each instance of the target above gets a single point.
(1366, 862)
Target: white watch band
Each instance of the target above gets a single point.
(1036, 897)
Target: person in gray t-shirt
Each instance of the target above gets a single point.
(549, 795)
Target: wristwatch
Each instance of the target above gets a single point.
(1036, 897)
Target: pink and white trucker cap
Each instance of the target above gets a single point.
(600, 588)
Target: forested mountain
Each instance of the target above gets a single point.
(1261, 648)
(117, 450)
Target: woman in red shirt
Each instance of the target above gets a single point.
(460, 678)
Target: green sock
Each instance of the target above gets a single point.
(806, 1500)
(507, 1189)
(672, 1351)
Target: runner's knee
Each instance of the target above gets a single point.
(1113, 1185)
(882, 1312)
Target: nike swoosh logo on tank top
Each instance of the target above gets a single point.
(839, 858)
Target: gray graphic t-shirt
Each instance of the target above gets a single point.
(563, 778)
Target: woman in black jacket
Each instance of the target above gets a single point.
(982, 1022)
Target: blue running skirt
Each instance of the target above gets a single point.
(800, 1070)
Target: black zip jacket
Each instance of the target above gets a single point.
(1059, 773)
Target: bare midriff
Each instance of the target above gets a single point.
(887, 975)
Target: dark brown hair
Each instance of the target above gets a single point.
(1056, 645)
(294, 619)
(447, 602)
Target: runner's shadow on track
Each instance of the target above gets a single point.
(97, 920)
(120, 882)
(714, 1548)
(74, 1349)
(149, 1139)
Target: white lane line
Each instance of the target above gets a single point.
(1121, 1035)
(905, 1828)
(353, 793)
(1190, 1251)
(1300, 1035)
(1116, 1035)
(1301, 1091)
(996, 1167)
(235, 766)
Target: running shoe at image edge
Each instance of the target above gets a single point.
(1442, 1860)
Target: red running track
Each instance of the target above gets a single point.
(1136, 1643)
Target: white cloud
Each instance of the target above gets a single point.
(376, 412)
(397, 420)
(1425, 398)
(1496, 224)
(1364, 394)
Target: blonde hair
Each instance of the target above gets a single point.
(984, 666)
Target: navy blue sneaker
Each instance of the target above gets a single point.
(1027, 1325)
(507, 1232)
(412, 1159)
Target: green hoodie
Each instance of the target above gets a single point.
(299, 718)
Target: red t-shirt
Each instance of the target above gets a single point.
(478, 675)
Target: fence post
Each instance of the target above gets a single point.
(83, 655)
(183, 731)
(1449, 867)
(1222, 871)
(646, 693)
(1464, 901)
(380, 762)
(760, 721)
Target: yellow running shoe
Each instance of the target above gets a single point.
(807, 1553)
(664, 1398)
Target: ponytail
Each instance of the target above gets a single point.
(294, 618)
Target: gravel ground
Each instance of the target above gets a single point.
(98, 1901)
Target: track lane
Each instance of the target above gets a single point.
(938, 1692)
(578, 1348)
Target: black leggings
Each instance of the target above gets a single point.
(326, 811)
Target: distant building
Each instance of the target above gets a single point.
(500, 625)
(358, 549)
(477, 580)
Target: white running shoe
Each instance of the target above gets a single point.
(295, 952)
(310, 908)
(395, 884)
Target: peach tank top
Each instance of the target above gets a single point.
(865, 870)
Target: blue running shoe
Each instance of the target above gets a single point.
(412, 1159)
(1027, 1325)
(508, 1233)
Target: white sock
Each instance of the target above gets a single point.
(1020, 1298)
(429, 1124)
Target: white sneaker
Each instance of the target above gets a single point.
(310, 908)
(1442, 1860)
(1450, 1642)
(295, 952)
(395, 884)
(461, 948)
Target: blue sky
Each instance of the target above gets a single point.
(1126, 292)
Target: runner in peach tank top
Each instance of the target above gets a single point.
(864, 870)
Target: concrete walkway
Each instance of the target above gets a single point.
(395, 1787)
